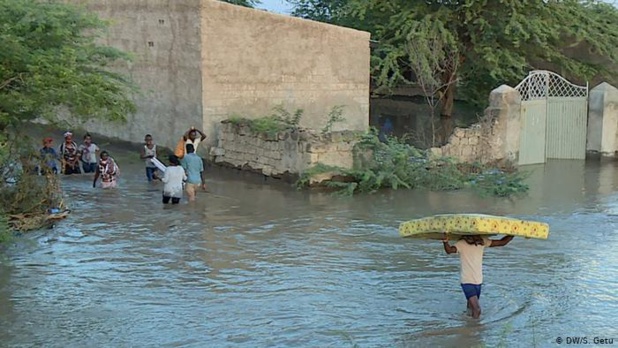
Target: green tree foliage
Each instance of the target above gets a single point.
(327, 11)
(495, 41)
(50, 58)
(246, 3)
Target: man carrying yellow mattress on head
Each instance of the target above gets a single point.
(190, 137)
(470, 249)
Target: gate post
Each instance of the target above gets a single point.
(502, 133)
(603, 120)
(510, 101)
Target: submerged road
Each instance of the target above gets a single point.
(256, 264)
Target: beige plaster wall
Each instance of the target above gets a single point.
(254, 60)
(167, 70)
(200, 61)
(289, 152)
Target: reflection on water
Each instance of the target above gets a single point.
(258, 264)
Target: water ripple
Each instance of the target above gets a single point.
(255, 265)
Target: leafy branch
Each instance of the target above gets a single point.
(335, 115)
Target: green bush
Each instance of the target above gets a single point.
(395, 164)
(335, 115)
(280, 120)
(26, 196)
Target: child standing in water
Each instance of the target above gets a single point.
(173, 179)
(89, 152)
(148, 153)
(107, 170)
(49, 156)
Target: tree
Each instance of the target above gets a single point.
(245, 3)
(429, 56)
(327, 11)
(498, 41)
(50, 58)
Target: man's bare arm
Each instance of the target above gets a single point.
(501, 242)
(449, 249)
(186, 135)
(202, 135)
(142, 154)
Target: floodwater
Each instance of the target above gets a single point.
(258, 264)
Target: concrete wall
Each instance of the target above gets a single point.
(200, 61)
(164, 39)
(288, 152)
(603, 120)
(495, 138)
(254, 60)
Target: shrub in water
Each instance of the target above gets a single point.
(393, 163)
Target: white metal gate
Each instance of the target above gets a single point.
(554, 114)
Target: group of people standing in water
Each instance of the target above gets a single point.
(78, 159)
(184, 173)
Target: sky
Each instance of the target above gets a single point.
(279, 6)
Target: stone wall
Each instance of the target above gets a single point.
(495, 138)
(464, 144)
(285, 153)
(201, 61)
(498, 136)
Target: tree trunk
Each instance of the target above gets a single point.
(447, 105)
(448, 101)
(446, 114)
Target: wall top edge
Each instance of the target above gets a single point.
(264, 13)
(193, 5)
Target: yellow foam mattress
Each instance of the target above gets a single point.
(433, 227)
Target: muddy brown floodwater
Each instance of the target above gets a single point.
(256, 264)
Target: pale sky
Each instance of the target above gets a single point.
(279, 6)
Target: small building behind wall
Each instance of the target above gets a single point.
(199, 62)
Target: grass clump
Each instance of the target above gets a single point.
(280, 120)
(395, 164)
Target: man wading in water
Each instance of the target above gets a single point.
(470, 249)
